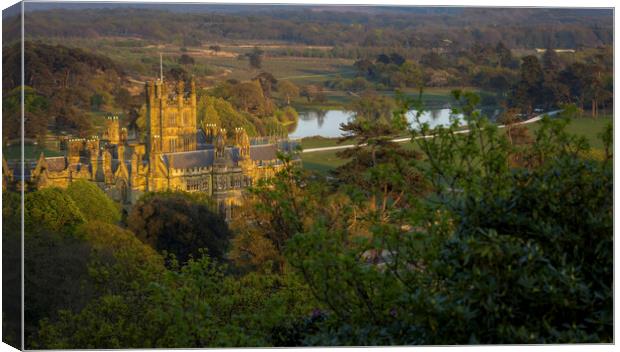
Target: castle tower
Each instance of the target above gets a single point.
(220, 143)
(112, 130)
(74, 148)
(92, 145)
(171, 123)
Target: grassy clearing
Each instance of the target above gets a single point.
(13, 152)
(322, 162)
(585, 126)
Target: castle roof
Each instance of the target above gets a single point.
(206, 157)
(263, 152)
(57, 163)
(188, 160)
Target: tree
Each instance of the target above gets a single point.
(93, 203)
(56, 276)
(180, 224)
(178, 74)
(249, 97)
(383, 58)
(123, 99)
(375, 156)
(256, 58)
(51, 209)
(277, 208)
(267, 82)
(529, 91)
(467, 263)
(397, 59)
(191, 306)
(35, 114)
(551, 61)
(288, 90)
(504, 55)
(186, 60)
(313, 93)
(364, 67)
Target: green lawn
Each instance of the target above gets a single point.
(13, 152)
(585, 126)
(322, 162)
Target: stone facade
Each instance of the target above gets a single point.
(175, 155)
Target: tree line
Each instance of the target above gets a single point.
(522, 28)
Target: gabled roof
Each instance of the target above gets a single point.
(263, 152)
(188, 160)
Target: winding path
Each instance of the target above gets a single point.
(405, 139)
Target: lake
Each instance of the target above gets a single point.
(327, 123)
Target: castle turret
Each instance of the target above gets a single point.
(113, 130)
(180, 93)
(74, 148)
(107, 167)
(220, 143)
(92, 145)
(192, 92)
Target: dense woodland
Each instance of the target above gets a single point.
(519, 28)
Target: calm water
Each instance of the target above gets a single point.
(327, 123)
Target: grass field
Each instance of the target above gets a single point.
(585, 126)
(13, 152)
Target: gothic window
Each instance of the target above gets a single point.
(172, 117)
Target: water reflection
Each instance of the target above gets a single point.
(327, 123)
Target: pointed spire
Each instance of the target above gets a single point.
(161, 67)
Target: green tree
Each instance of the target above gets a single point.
(256, 58)
(528, 92)
(481, 258)
(179, 223)
(93, 203)
(52, 209)
(288, 90)
(186, 60)
(267, 82)
(504, 55)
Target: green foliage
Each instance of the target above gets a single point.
(194, 305)
(199, 306)
(93, 203)
(179, 223)
(256, 58)
(215, 110)
(492, 255)
(286, 115)
(277, 208)
(11, 268)
(52, 209)
(62, 80)
(56, 276)
(288, 90)
(121, 263)
(35, 116)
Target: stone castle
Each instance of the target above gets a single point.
(174, 155)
